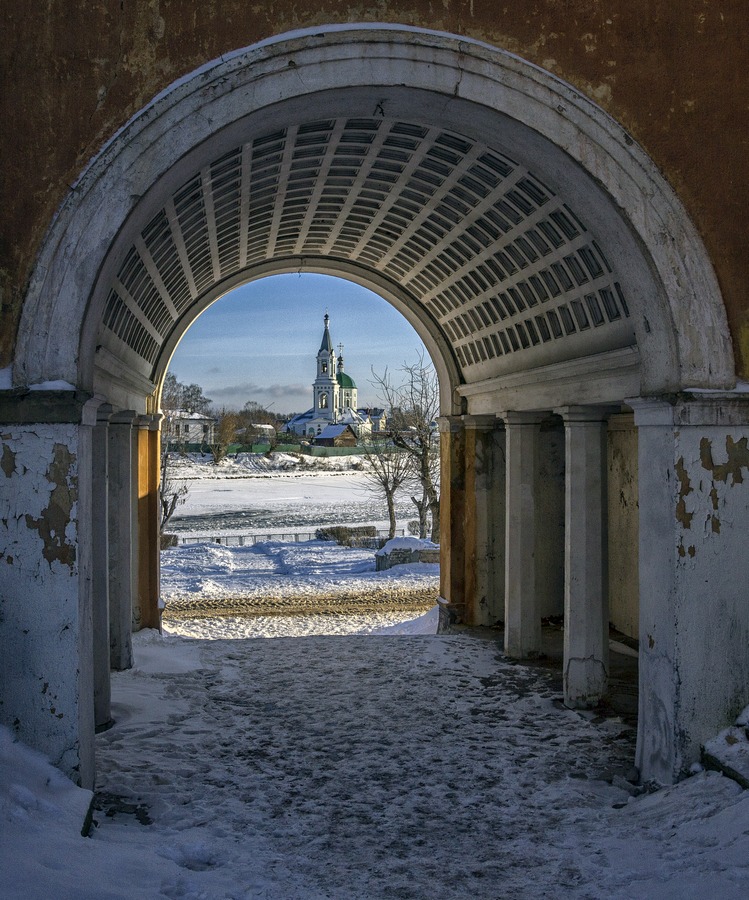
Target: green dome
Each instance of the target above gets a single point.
(345, 381)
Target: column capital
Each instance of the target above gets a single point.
(23, 406)
(522, 417)
(151, 422)
(578, 415)
(624, 421)
(450, 424)
(124, 417)
(104, 413)
(692, 408)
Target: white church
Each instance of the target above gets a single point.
(334, 399)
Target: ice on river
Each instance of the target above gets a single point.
(252, 493)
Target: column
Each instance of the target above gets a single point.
(100, 567)
(122, 582)
(46, 642)
(148, 521)
(694, 571)
(550, 519)
(522, 613)
(586, 608)
(484, 520)
(623, 554)
(452, 520)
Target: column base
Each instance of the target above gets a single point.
(449, 615)
(585, 683)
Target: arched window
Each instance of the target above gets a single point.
(323, 401)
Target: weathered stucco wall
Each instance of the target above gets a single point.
(694, 572)
(671, 71)
(623, 512)
(712, 506)
(45, 616)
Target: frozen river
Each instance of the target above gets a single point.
(283, 501)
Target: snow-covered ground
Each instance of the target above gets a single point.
(360, 767)
(389, 763)
(258, 626)
(277, 577)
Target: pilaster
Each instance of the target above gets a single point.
(46, 658)
(484, 519)
(148, 521)
(100, 566)
(694, 571)
(522, 612)
(122, 547)
(452, 520)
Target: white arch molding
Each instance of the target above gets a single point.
(678, 316)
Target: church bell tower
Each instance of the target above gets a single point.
(325, 388)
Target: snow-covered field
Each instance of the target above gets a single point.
(273, 577)
(289, 578)
(387, 763)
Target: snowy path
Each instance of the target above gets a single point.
(391, 767)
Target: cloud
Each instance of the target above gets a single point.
(287, 390)
(236, 395)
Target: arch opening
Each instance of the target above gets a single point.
(332, 390)
(263, 337)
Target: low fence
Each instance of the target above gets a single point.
(296, 537)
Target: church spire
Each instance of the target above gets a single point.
(327, 343)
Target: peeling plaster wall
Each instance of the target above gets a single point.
(624, 586)
(694, 581)
(712, 515)
(44, 613)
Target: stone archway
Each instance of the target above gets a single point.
(464, 86)
(543, 260)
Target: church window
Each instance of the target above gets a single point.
(324, 368)
(323, 401)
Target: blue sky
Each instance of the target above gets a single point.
(260, 341)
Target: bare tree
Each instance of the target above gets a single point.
(186, 397)
(193, 399)
(387, 470)
(171, 493)
(413, 402)
(171, 394)
(224, 434)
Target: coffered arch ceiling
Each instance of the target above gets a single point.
(493, 259)
(502, 264)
